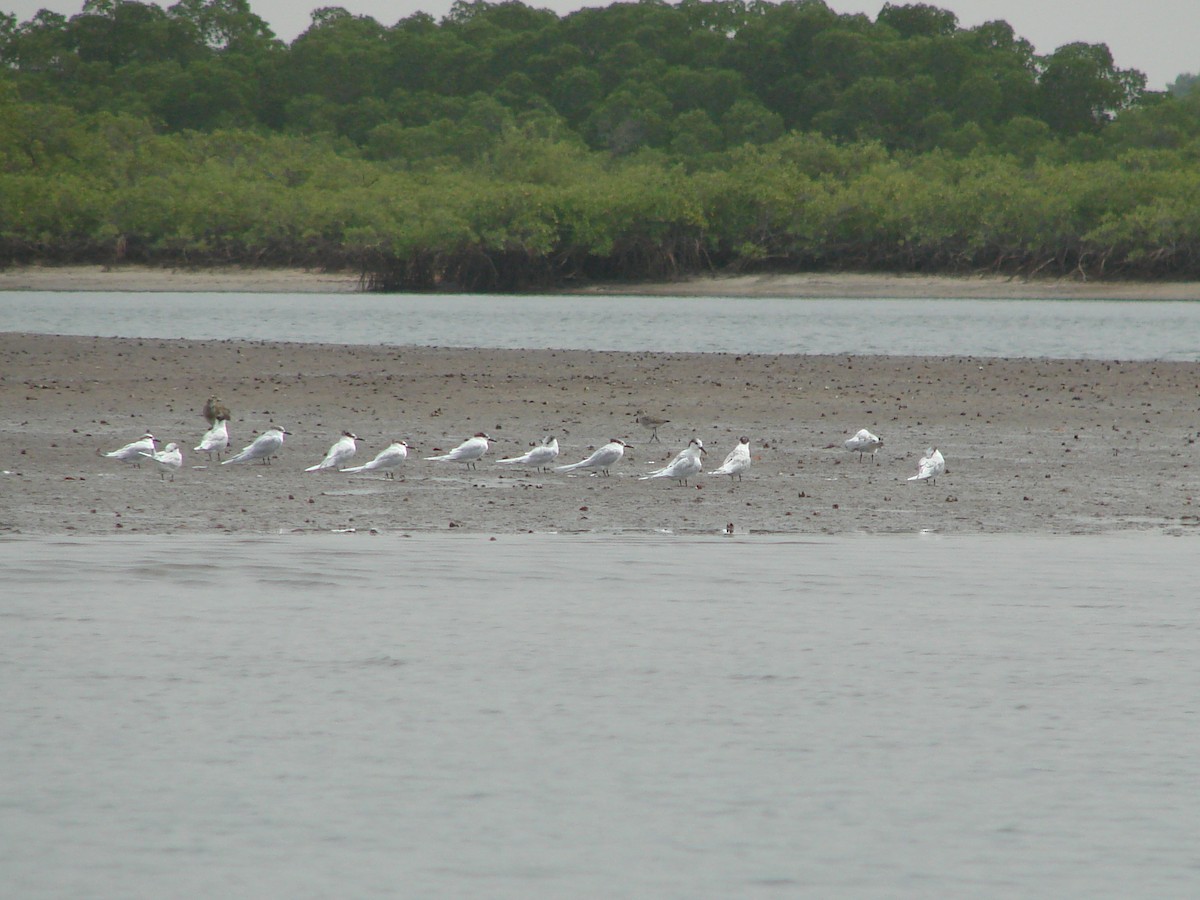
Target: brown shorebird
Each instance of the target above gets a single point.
(215, 411)
(651, 422)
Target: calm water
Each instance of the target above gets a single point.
(603, 716)
(1075, 329)
(574, 716)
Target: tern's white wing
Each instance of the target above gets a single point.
(264, 446)
(737, 462)
(216, 438)
(388, 458)
(939, 463)
(582, 464)
(168, 460)
(542, 456)
(679, 468)
(132, 453)
(669, 469)
(930, 466)
(862, 441)
(538, 457)
(341, 451)
(468, 451)
(685, 464)
(601, 459)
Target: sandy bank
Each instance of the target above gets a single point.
(146, 278)
(904, 287)
(142, 278)
(1031, 445)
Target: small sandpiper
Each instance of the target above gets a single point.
(651, 422)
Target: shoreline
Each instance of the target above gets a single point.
(1031, 445)
(808, 285)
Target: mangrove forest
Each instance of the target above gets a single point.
(505, 147)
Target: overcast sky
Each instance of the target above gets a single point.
(1159, 37)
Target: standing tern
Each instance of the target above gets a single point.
(863, 442)
(168, 460)
(685, 464)
(468, 452)
(538, 458)
(264, 447)
(388, 460)
(930, 467)
(215, 439)
(737, 462)
(341, 451)
(601, 460)
(132, 453)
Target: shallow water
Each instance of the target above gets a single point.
(555, 716)
(1060, 329)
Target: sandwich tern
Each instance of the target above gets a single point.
(468, 452)
(685, 464)
(601, 460)
(168, 460)
(737, 462)
(263, 447)
(538, 458)
(930, 467)
(341, 451)
(215, 439)
(864, 442)
(389, 459)
(132, 453)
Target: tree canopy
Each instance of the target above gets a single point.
(505, 146)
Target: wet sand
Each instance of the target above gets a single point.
(824, 284)
(148, 278)
(1031, 446)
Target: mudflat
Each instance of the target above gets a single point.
(244, 279)
(1042, 446)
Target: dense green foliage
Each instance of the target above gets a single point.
(505, 147)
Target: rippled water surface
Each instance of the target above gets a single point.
(1071, 329)
(578, 716)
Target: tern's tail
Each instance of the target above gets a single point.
(568, 468)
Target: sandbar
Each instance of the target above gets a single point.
(1032, 446)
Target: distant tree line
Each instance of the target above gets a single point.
(506, 148)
